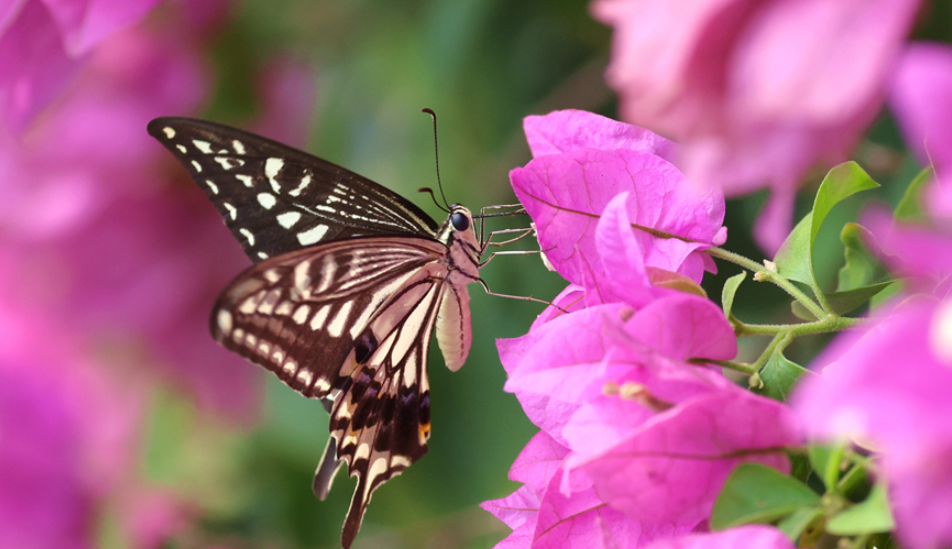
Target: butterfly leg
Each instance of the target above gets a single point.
(525, 232)
(508, 252)
(519, 297)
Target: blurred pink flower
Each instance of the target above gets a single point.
(921, 98)
(755, 536)
(43, 44)
(69, 434)
(756, 92)
(888, 386)
(921, 256)
(584, 162)
(99, 236)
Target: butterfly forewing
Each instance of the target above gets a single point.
(276, 199)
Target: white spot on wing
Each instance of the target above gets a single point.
(336, 327)
(232, 212)
(224, 321)
(378, 468)
(169, 132)
(239, 146)
(248, 235)
(304, 376)
(198, 167)
(288, 219)
(182, 149)
(246, 179)
(272, 167)
(262, 255)
(267, 200)
(272, 275)
(305, 181)
(229, 163)
(363, 451)
(203, 146)
(396, 460)
(301, 314)
(212, 186)
(312, 235)
(302, 277)
(321, 385)
(318, 321)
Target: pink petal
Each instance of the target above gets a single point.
(920, 100)
(754, 536)
(570, 130)
(33, 66)
(670, 468)
(566, 194)
(85, 23)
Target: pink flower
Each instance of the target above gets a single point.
(592, 178)
(749, 537)
(889, 387)
(69, 435)
(43, 45)
(542, 517)
(659, 445)
(756, 92)
(920, 98)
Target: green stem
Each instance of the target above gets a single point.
(830, 323)
(736, 366)
(772, 276)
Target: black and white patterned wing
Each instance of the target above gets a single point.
(276, 199)
(304, 315)
(380, 421)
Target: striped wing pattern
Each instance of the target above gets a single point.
(302, 313)
(348, 283)
(276, 199)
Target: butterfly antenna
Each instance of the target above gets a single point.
(436, 151)
(433, 196)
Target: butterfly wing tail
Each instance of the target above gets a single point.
(326, 470)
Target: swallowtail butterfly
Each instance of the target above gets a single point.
(348, 282)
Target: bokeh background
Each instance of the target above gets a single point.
(122, 424)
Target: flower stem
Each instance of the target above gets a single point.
(762, 273)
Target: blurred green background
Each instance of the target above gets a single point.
(482, 65)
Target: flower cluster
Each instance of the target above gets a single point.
(638, 432)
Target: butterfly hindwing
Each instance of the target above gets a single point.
(381, 420)
(303, 313)
(276, 199)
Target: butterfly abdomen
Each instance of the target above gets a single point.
(453, 328)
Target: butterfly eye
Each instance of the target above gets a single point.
(460, 221)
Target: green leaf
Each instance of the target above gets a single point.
(870, 516)
(755, 493)
(794, 524)
(730, 288)
(779, 376)
(795, 258)
(843, 302)
(910, 207)
(826, 462)
(860, 267)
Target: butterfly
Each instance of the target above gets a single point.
(348, 284)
